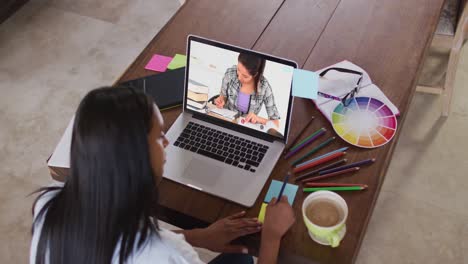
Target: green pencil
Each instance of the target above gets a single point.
(305, 139)
(317, 148)
(351, 188)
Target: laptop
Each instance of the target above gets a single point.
(216, 148)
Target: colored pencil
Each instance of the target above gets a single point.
(326, 167)
(318, 162)
(350, 188)
(322, 156)
(317, 148)
(306, 139)
(311, 139)
(298, 136)
(331, 184)
(326, 176)
(355, 164)
(285, 181)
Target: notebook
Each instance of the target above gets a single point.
(339, 84)
(167, 88)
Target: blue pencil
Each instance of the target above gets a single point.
(322, 156)
(285, 181)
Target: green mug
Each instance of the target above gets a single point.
(330, 235)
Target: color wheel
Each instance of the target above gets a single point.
(365, 122)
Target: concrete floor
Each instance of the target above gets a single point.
(54, 51)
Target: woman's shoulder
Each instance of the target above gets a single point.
(231, 71)
(264, 85)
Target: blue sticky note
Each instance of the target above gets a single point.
(290, 190)
(305, 84)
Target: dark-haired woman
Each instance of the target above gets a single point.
(245, 89)
(106, 211)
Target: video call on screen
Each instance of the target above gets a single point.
(241, 88)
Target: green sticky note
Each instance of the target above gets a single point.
(261, 215)
(290, 191)
(178, 61)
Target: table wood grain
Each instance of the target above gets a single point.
(389, 39)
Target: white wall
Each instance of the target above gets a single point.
(208, 65)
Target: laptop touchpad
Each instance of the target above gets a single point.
(202, 172)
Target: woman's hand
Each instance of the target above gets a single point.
(219, 101)
(279, 218)
(217, 236)
(254, 119)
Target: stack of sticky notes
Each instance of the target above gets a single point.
(160, 63)
(290, 191)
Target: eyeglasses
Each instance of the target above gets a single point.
(347, 99)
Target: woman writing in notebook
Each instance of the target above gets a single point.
(106, 211)
(245, 89)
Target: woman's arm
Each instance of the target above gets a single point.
(220, 101)
(192, 236)
(269, 249)
(270, 105)
(217, 236)
(229, 75)
(279, 217)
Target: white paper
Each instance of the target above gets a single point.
(229, 114)
(61, 156)
(339, 84)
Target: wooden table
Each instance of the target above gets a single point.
(388, 39)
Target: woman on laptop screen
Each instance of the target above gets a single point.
(246, 90)
(107, 209)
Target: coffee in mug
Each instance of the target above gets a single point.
(324, 212)
(324, 215)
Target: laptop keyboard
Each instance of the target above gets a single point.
(218, 145)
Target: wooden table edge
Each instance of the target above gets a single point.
(393, 146)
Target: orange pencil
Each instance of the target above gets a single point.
(318, 162)
(331, 174)
(331, 184)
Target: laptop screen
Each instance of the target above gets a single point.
(239, 86)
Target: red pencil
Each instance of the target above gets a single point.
(331, 174)
(331, 184)
(318, 162)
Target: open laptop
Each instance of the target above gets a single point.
(214, 149)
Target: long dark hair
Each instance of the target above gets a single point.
(110, 194)
(254, 64)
